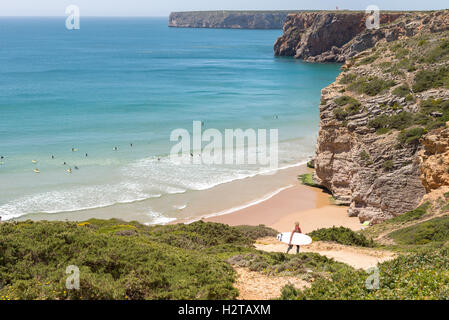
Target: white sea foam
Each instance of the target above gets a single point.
(140, 180)
(159, 218)
(247, 205)
(74, 199)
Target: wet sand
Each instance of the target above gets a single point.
(311, 207)
(221, 199)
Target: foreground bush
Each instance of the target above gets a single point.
(306, 265)
(118, 260)
(417, 276)
(341, 235)
(435, 230)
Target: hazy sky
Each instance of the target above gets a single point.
(164, 7)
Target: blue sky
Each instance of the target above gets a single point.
(164, 7)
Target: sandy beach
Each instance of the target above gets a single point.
(275, 200)
(312, 207)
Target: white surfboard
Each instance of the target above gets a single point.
(299, 239)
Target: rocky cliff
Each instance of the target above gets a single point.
(383, 142)
(324, 36)
(228, 19)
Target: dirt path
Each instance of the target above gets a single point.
(359, 258)
(254, 285)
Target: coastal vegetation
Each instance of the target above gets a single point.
(433, 78)
(304, 265)
(127, 260)
(307, 179)
(433, 113)
(422, 275)
(341, 235)
(118, 260)
(420, 271)
(432, 231)
(371, 86)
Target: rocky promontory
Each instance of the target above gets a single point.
(325, 36)
(228, 19)
(383, 142)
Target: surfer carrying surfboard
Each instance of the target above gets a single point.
(297, 230)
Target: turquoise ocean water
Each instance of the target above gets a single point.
(118, 81)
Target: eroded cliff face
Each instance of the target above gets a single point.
(382, 142)
(337, 36)
(228, 19)
(434, 157)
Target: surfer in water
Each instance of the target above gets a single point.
(298, 230)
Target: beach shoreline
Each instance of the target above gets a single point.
(311, 207)
(276, 200)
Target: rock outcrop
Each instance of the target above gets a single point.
(378, 150)
(434, 158)
(228, 19)
(335, 37)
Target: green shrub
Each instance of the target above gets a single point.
(371, 86)
(402, 53)
(409, 98)
(345, 100)
(428, 79)
(352, 107)
(348, 78)
(402, 91)
(416, 214)
(398, 121)
(308, 264)
(369, 60)
(341, 235)
(416, 276)
(435, 125)
(198, 235)
(382, 121)
(254, 233)
(34, 257)
(340, 114)
(388, 165)
(435, 230)
(401, 120)
(381, 131)
(411, 136)
(307, 179)
(364, 156)
(439, 53)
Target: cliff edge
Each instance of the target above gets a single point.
(383, 141)
(324, 36)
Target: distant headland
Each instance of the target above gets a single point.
(229, 19)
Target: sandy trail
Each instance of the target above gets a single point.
(359, 258)
(254, 285)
